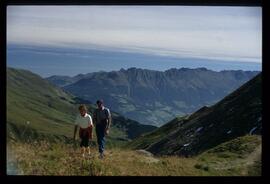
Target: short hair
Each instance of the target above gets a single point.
(83, 107)
(99, 101)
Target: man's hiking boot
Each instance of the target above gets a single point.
(101, 155)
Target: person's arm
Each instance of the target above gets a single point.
(91, 128)
(91, 124)
(109, 120)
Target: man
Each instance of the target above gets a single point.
(102, 121)
(84, 121)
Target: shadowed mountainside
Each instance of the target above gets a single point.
(236, 115)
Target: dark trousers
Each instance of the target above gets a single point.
(100, 131)
(85, 134)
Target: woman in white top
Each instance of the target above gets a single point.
(84, 121)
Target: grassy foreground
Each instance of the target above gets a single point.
(44, 158)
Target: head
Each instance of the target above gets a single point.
(82, 109)
(100, 104)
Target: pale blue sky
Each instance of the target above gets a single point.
(217, 33)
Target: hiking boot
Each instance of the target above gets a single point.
(101, 155)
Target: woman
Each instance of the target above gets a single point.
(84, 121)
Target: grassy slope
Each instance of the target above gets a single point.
(43, 158)
(241, 155)
(46, 108)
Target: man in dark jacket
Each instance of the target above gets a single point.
(102, 121)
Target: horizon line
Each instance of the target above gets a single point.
(130, 68)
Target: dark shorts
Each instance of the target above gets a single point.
(85, 135)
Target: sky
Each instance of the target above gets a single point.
(76, 39)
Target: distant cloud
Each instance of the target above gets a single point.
(226, 33)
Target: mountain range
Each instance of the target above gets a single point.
(37, 109)
(236, 115)
(154, 97)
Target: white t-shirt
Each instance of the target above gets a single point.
(84, 122)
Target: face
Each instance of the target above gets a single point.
(82, 112)
(100, 105)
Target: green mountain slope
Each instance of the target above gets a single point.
(38, 109)
(241, 155)
(155, 97)
(236, 115)
(33, 103)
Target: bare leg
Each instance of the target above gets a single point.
(88, 149)
(83, 151)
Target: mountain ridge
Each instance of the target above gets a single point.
(162, 94)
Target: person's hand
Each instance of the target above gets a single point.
(107, 131)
